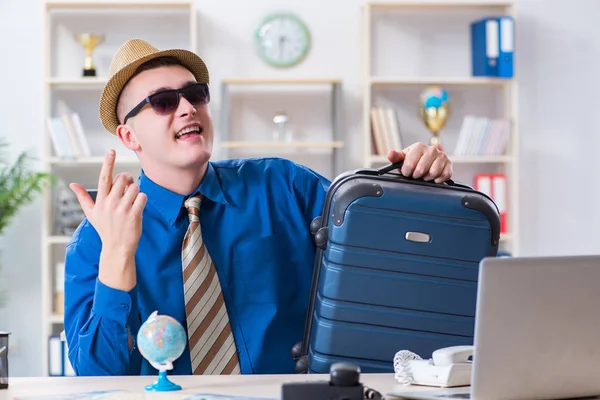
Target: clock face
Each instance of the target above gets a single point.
(282, 40)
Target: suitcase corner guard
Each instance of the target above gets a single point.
(301, 361)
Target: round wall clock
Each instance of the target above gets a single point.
(282, 40)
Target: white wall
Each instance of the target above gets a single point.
(558, 56)
(21, 114)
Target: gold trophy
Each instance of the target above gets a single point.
(434, 109)
(89, 42)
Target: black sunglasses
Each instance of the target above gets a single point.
(167, 101)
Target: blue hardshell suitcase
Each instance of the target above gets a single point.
(396, 269)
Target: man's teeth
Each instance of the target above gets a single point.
(187, 130)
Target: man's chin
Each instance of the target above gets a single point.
(193, 159)
(178, 158)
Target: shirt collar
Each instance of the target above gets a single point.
(169, 203)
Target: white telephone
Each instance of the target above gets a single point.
(448, 367)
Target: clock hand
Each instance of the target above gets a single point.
(281, 40)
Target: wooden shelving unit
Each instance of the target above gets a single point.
(334, 143)
(61, 19)
(375, 82)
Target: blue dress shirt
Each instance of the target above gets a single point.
(255, 218)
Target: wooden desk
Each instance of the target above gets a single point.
(268, 386)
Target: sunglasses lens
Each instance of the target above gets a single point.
(197, 94)
(165, 102)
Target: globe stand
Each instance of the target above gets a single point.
(163, 384)
(161, 340)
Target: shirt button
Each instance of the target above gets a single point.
(125, 306)
(237, 349)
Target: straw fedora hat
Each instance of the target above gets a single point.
(129, 57)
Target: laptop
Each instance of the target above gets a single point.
(537, 331)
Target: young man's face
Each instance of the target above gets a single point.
(155, 136)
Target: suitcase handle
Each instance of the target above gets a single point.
(390, 167)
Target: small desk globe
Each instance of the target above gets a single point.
(161, 340)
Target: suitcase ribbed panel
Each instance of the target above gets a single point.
(320, 364)
(402, 262)
(374, 344)
(368, 314)
(397, 289)
(451, 238)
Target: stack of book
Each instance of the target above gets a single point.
(482, 136)
(385, 131)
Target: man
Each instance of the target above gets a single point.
(239, 279)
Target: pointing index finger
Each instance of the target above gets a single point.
(106, 175)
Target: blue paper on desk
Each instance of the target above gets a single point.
(73, 396)
(210, 396)
(108, 394)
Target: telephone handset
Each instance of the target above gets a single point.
(452, 355)
(447, 367)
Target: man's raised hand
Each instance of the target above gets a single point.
(117, 217)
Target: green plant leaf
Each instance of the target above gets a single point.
(18, 186)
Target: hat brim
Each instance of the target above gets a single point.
(111, 92)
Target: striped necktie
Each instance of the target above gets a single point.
(212, 346)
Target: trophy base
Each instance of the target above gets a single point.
(89, 72)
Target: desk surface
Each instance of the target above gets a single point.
(268, 386)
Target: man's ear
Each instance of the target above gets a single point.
(127, 137)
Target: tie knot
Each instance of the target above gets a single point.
(192, 205)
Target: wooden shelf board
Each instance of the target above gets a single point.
(55, 239)
(91, 161)
(480, 159)
(77, 81)
(438, 5)
(257, 81)
(137, 4)
(457, 159)
(468, 80)
(99, 81)
(56, 319)
(251, 144)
